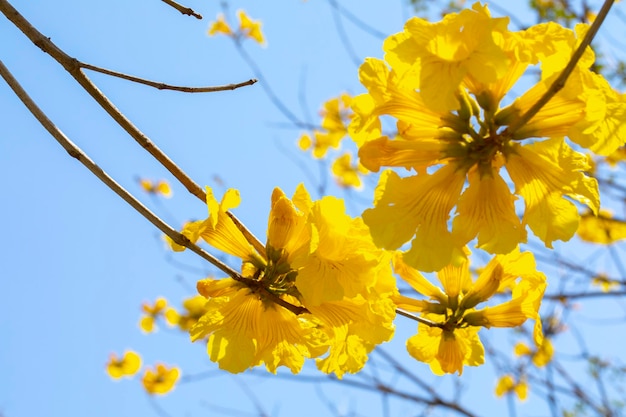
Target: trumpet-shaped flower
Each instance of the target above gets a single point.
(444, 83)
(250, 28)
(161, 380)
(447, 336)
(318, 286)
(127, 365)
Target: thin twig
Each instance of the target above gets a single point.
(184, 10)
(75, 152)
(559, 83)
(163, 86)
(72, 66)
(419, 319)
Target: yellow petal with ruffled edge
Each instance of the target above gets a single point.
(545, 172)
(487, 209)
(354, 327)
(420, 206)
(444, 351)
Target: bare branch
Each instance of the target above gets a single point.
(418, 319)
(163, 86)
(75, 152)
(184, 10)
(73, 66)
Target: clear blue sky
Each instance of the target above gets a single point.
(77, 262)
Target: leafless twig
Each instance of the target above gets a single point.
(184, 10)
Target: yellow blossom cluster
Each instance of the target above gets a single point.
(319, 288)
(336, 116)
(444, 83)
(247, 28)
(322, 285)
(448, 337)
(161, 380)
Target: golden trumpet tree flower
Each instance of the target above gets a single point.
(319, 286)
(444, 83)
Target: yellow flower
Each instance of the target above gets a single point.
(250, 28)
(540, 356)
(127, 365)
(507, 384)
(347, 174)
(444, 83)
(195, 307)
(319, 285)
(335, 116)
(444, 350)
(161, 380)
(602, 229)
(152, 313)
(160, 187)
(449, 339)
(220, 26)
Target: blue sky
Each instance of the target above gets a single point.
(78, 262)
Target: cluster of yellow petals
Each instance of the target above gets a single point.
(443, 82)
(318, 262)
(160, 187)
(248, 28)
(194, 308)
(347, 173)
(160, 380)
(540, 356)
(449, 340)
(126, 366)
(602, 229)
(336, 115)
(507, 384)
(152, 314)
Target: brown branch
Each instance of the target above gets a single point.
(163, 86)
(184, 10)
(588, 294)
(73, 66)
(418, 319)
(75, 152)
(559, 83)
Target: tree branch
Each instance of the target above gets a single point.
(163, 86)
(184, 10)
(559, 83)
(73, 67)
(75, 152)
